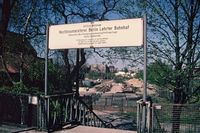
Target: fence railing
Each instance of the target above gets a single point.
(56, 111)
(118, 99)
(168, 118)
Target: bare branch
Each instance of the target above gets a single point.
(163, 15)
(100, 55)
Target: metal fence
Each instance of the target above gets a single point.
(169, 118)
(62, 109)
(123, 102)
(51, 112)
(57, 111)
(176, 118)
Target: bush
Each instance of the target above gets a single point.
(120, 79)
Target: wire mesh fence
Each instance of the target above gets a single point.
(176, 118)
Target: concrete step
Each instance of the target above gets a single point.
(86, 129)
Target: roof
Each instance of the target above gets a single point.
(14, 46)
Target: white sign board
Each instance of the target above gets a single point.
(115, 33)
(33, 100)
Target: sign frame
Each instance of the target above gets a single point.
(144, 69)
(99, 34)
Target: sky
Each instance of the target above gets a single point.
(99, 60)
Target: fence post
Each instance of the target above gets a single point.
(152, 119)
(39, 112)
(112, 100)
(22, 109)
(122, 110)
(105, 103)
(138, 116)
(45, 112)
(148, 116)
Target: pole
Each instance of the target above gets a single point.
(145, 76)
(77, 72)
(145, 60)
(46, 78)
(46, 60)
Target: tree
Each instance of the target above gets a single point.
(174, 38)
(30, 18)
(78, 11)
(5, 11)
(178, 41)
(158, 73)
(5, 7)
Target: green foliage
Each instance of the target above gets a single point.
(19, 88)
(139, 74)
(56, 110)
(16, 88)
(158, 73)
(97, 75)
(110, 75)
(36, 70)
(120, 79)
(93, 75)
(56, 78)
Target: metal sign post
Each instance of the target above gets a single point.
(46, 60)
(144, 76)
(46, 77)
